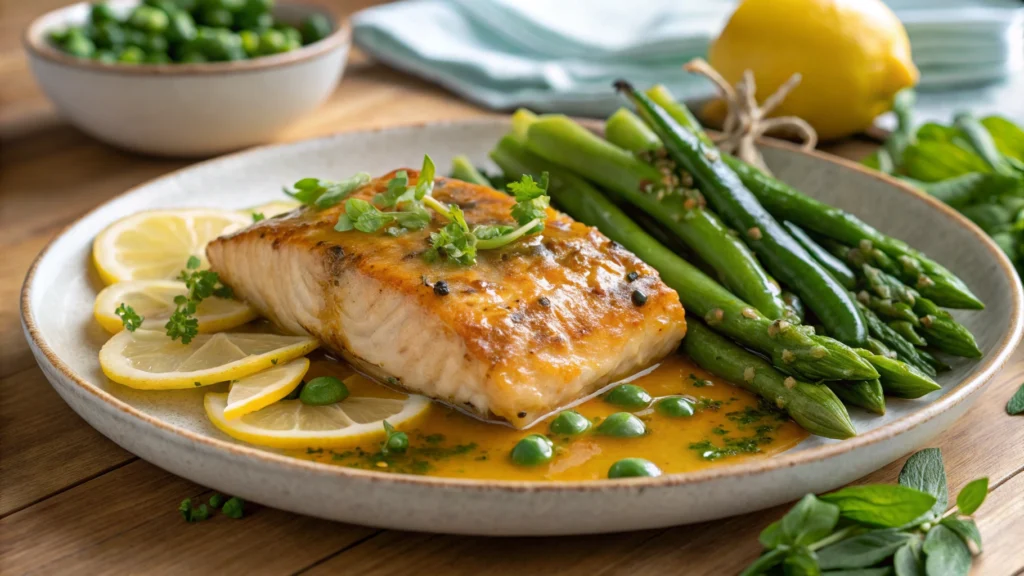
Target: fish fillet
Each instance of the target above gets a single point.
(531, 327)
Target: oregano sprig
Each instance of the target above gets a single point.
(879, 529)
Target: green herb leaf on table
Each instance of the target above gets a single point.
(971, 497)
(1016, 404)
(882, 505)
(766, 561)
(191, 513)
(945, 553)
(234, 508)
(967, 530)
(926, 472)
(863, 550)
(809, 521)
(131, 320)
(801, 562)
(908, 561)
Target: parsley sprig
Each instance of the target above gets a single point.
(325, 193)
(864, 529)
(131, 320)
(201, 284)
(409, 209)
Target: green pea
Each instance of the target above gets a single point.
(250, 42)
(131, 55)
(628, 396)
(622, 425)
(315, 27)
(181, 27)
(397, 443)
(675, 407)
(569, 423)
(102, 12)
(109, 35)
(158, 58)
(254, 21)
(79, 45)
(533, 450)
(149, 19)
(217, 17)
(273, 42)
(633, 468)
(105, 56)
(323, 390)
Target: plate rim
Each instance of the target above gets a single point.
(960, 393)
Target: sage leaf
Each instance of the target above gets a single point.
(863, 550)
(801, 563)
(771, 536)
(925, 471)
(1016, 404)
(883, 571)
(967, 530)
(809, 521)
(945, 553)
(766, 561)
(907, 561)
(881, 505)
(970, 498)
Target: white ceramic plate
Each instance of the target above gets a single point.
(170, 429)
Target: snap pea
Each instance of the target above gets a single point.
(564, 142)
(633, 468)
(811, 357)
(784, 257)
(323, 390)
(628, 396)
(866, 394)
(463, 169)
(813, 406)
(533, 450)
(569, 423)
(622, 425)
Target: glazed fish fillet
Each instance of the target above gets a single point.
(530, 328)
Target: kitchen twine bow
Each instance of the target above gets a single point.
(745, 121)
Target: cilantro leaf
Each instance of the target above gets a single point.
(193, 263)
(233, 508)
(397, 191)
(488, 232)
(532, 201)
(257, 216)
(325, 193)
(453, 242)
(425, 181)
(129, 317)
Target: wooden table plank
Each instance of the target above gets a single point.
(1001, 522)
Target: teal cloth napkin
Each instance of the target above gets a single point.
(561, 56)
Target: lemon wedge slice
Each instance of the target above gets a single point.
(155, 245)
(271, 209)
(154, 301)
(149, 360)
(262, 389)
(292, 424)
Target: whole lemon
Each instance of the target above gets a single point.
(853, 55)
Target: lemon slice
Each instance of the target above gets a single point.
(292, 424)
(264, 388)
(149, 360)
(155, 245)
(154, 301)
(271, 209)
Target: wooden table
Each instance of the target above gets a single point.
(72, 501)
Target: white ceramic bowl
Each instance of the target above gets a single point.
(186, 109)
(171, 430)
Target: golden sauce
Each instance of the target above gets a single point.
(729, 425)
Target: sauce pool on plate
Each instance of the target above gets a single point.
(728, 425)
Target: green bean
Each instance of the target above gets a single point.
(866, 394)
(811, 357)
(836, 267)
(784, 257)
(813, 406)
(562, 141)
(627, 131)
(892, 339)
(463, 169)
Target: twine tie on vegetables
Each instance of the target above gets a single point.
(745, 121)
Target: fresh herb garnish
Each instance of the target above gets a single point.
(532, 201)
(201, 284)
(1016, 404)
(395, 442)
(234, 508)
(131, 320)
(323, 194)
(857, 528)
(217, 500)
(192, 513)
(257, 216)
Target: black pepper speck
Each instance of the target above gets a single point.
(521, 415)
(632, 276)
(543, 301)
(639, 298)
(441, 288)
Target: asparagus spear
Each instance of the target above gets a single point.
(943, 332)
(804, 355)
(836, 267)
(813, 406)
(931, 279)
(866, 394)
(463, 169)
(906, 329)
(559, 140)
(899, 379)
(892, 339)
(784, 257)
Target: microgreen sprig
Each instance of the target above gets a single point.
(131, 320)
(860, 527)
(201, 284)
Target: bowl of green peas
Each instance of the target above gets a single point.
(186, 78)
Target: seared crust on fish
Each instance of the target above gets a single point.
(530, 328)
